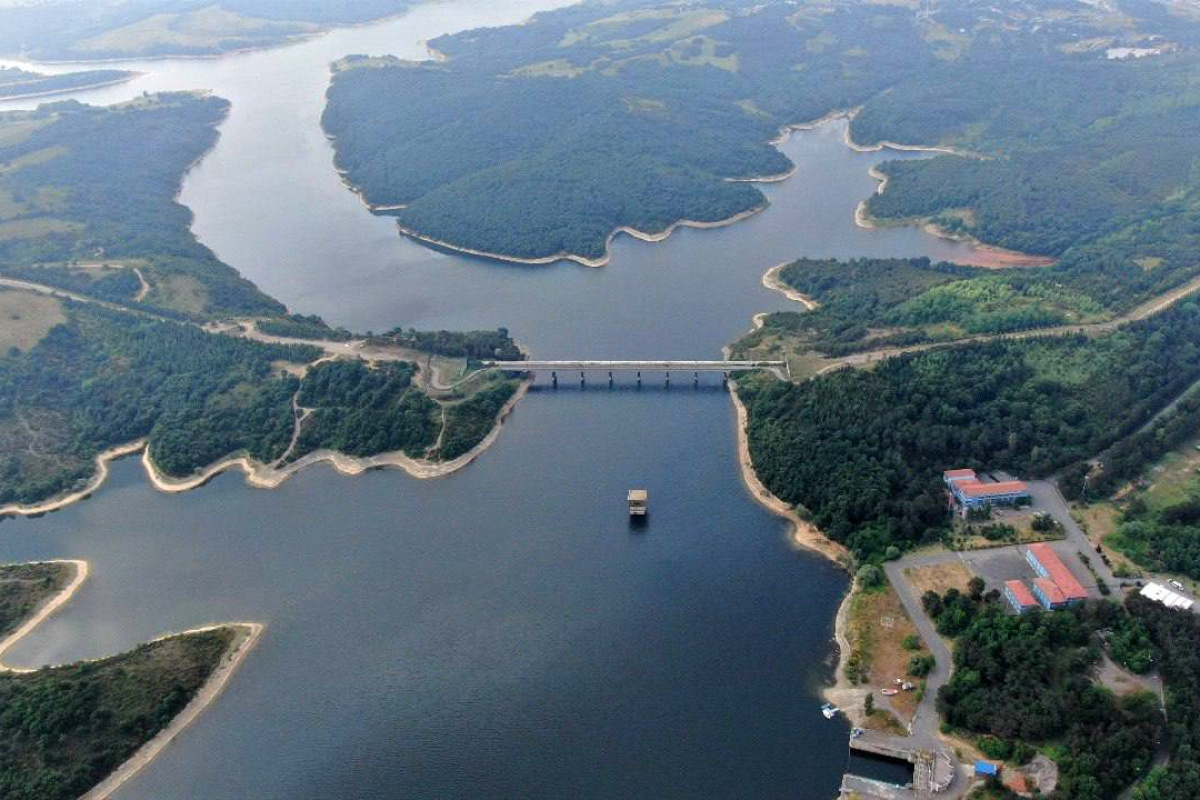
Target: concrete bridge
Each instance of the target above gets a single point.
(779, 368)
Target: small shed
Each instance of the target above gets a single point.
(987, 769)
(638, 500)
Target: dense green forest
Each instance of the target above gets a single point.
(870, 303)
(1176, 637)
(1161, 540)
(862, 450)
(63, 729)
(301, 326)
(86, 29)
(471, 345)
(82, 186)
(1088, 157)
(598, 116)
(87, 204)
(363, 411)
(1021, 681)
(16, 82)
(106, 378)
(470, 421)
(1091, 160)
(23, 587)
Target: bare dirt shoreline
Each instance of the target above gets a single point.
(989, 256)
(46, 609)
(247, 635)
(583, 260)
(84, 88)
(772, 281)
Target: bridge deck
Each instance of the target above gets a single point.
(629, 366)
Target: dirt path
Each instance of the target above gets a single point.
(143, 286)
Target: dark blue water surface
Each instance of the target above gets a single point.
(499, 633)
(502, 632)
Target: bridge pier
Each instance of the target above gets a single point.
(610, 380)
(695, 380)
(554, 379)
(582, 379)
(668, 380)
(639, 379)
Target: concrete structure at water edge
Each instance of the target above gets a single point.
(968, 493)
(1057, 587)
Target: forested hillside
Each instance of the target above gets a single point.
(862, 450)
(1085, 156)
(62, 730)
(102, 378)
(871, 303)
(1021, 683)
(87, 195)
(1106, 183)
(58, 30)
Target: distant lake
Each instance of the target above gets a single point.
(502, 632)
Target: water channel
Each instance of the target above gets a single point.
(502, 632)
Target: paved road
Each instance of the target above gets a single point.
(1146, 309)
(1046, 497)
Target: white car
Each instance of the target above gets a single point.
(1176, 584)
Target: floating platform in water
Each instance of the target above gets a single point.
(639, 499)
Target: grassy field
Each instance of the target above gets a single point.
(877, 627)
(25, 319)
(767, 344)
(18, 229)
(939, 578)
(206, 30)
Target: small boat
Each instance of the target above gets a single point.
(829, 710)
(889, 692)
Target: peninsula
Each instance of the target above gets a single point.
(585, 121)
(83, 729)
(122, 332)
(18, 83)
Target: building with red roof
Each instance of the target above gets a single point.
(968, 492)
(1057, 585)
(1019, 597)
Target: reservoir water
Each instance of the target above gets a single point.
(502, 632)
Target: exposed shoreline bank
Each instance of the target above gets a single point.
(69, 90)
(583, 260)
(46, 610)
(807, 536)
(991, 256)
(772, 281)
(247, 635)
(804, 533)
(265, 476)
